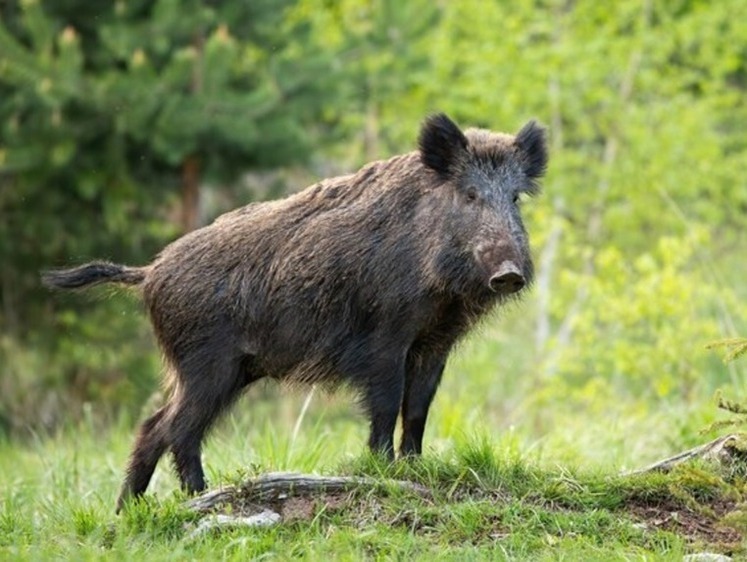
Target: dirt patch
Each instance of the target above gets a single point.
(703, 524)
(305, 508)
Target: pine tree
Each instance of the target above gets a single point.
(111, 113)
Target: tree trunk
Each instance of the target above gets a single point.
(190, 217)
(191, 169)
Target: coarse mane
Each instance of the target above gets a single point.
(489, 148)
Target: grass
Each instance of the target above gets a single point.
(511, 478)
(490, 499)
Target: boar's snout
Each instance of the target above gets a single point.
(508, 279)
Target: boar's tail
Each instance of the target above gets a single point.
(92, 274)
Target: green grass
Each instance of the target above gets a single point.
(492, 499)
(517, 469)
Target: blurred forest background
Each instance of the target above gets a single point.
(124, 124)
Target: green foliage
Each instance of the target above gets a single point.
(645, 311)
(104, 112)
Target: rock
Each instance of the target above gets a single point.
(265, 518)
(706, 557)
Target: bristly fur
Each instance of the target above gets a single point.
(92, 273)
(490, 149)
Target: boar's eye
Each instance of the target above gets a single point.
(471, 194)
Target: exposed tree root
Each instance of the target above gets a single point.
(723, 449)
(282, 496)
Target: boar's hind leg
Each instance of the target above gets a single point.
(421, 381)
(382, 399)
(150, 446)
(207, 388)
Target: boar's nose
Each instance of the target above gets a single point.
(508, 279)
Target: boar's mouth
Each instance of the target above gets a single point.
(508, 279)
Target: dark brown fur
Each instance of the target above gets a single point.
(367, 279)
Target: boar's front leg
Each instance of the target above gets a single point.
(382, 400)
(422, 376)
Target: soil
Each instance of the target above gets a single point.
(701, 526)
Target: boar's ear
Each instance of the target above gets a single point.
(531, 139)
(441, 144)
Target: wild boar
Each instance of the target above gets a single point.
(367, 280)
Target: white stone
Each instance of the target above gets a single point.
(706, 557)
(265, 518)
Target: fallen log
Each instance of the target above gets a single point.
(277, 487)
(722, 450)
